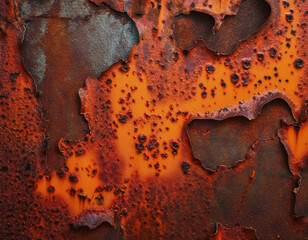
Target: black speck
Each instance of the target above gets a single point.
(298, 63)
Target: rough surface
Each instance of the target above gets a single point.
(216, 144)
(64, 43)
(136, 162)
(251, 16)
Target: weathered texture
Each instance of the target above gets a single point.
(64, 43)
(264, 199)
(136, 160)
(252, 14)
(215, 143)
(236, 233)
(190, 28)
(301, 202)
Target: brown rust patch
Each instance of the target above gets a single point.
(217, 143)
(252, 14)
(236, 233)
(190, 28)
(301, 208)
(60, 50)
(266, 196)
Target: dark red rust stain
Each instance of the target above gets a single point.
(104, 231)
(264, 199)
(215, 143)
(236, 233)
(190, 28)
(92, 219)
(61, 51)
(260, 184)
(301, 202)
(250, 17)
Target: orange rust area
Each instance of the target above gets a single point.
(136, 164)
(284, 78)
(295, 141)
(77, 186)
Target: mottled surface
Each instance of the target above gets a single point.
(133, 175)
(216, 144)
(64, 43)
(232, 30)
(301, 202)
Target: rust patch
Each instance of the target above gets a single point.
(64, 43)
(156, 92)
(217, 143)
(252, 14)
(93, 219)
(236, 233)
(266, 194)
(192, 27)
(301, 208)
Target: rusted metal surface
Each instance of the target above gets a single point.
(133, 174)
(216, 144)
(251, 15)
(233, 233)
(64, 43)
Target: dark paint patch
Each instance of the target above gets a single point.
(251, 16)
(217, 143)
(61, 50)
(301, 203)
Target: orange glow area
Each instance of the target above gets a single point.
(163, 121)
(86, 171)
(297, 139)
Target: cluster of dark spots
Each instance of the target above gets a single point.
(116, 191)
(51, 189)
(100, 189)
(99, 199)
(60, 173)
(246, 64)
(227, 62)
(156, 166)
(289, 17)
(260, 57)
(174, 146)
(185, 167)
(13, 76)
(73, 178)
(72, 191)
(213, 92)
(153, 143)
(139, 147)
(210, 69)
(285, 4)
(142, 138)
(124, 68)
(234, 78)
(80, 152)
(203, 94)
(122, 118)
(272, 52)
(298, 63)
